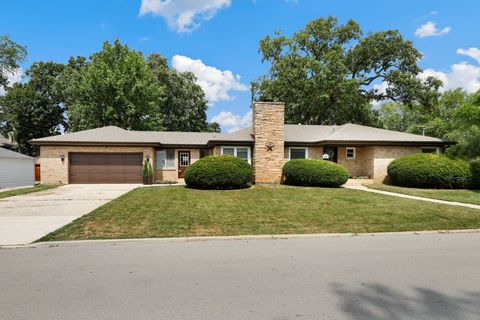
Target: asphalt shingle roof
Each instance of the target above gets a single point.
(293, 133)
(5, 153)
(350, 132)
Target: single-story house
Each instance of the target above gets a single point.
(16, 169)
(114, 155)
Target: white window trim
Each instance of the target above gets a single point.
(290, 152)
(354, 153)
(437, 149)
(249, 152)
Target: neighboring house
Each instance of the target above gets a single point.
(113, 155)
(7, 143)
(16, 169)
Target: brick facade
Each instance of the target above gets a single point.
(53, 170)
(269, 136)
(268, 153)
(370, 161)
(166, 175)
(383, 155)
(361, 166)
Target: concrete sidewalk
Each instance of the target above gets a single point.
(406, 196)
(26, 218)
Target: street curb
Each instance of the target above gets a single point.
(231, 238)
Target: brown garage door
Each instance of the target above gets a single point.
(105, 167)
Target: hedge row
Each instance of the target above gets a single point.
(416, 170)
(314, 173)
(219, 172)
(475, 170)
(432, 171)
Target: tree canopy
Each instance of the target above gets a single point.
(115, 86)
(185, 106)
(455, 117)
(11, 55)
(32, 109)
(326, 72)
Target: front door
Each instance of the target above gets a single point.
(332, 153)
(183, 162)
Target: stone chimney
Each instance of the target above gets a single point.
(269, 135)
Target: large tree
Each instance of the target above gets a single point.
(455, 117)
(326, 72)
(11, 55)
(185, 106)
(116, 87)
(33, 110)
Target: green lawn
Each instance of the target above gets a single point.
(466, 196)
(17, 192)
(179, 211)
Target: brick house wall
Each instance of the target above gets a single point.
(163, 175)
(383, 155)
(361, 166)
(53, 170)
(370, 161)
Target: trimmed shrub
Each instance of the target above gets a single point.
(475, 172)
(427, 170)
(219, 172)
(314, 173)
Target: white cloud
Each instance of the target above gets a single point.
(381, 88)
(461, 75)
(430, 29)
(13, 77)
(184, 15)
(215, 83)
(471, 52)
(233, 122)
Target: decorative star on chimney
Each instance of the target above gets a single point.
(269, 146)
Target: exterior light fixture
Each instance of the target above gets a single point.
(148, 157)
(62, 157)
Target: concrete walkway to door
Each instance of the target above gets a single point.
(26, 218)
(406, 196)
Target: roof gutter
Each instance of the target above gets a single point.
(354, 143)
(90, 143)
(213, 143)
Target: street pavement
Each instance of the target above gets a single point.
(407, 276)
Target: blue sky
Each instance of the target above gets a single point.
(218, 39)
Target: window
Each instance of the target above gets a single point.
(240, 152)
(430, 150)
(351, 153)
(184, 158)
(228, 151)
(166, 159)
(298, 153)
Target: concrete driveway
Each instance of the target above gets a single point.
(26, 218)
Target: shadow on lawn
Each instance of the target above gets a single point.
(379, 302)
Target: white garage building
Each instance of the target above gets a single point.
(16, 169)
